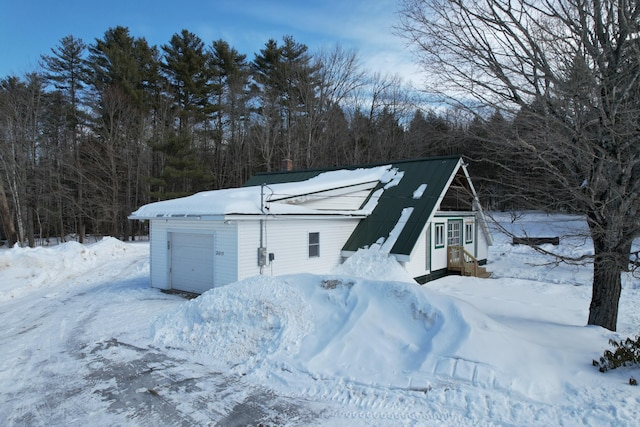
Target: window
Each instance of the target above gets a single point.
(468, 232)
(439, 237)
(314, 245)
(454, 233)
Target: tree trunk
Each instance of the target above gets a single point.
(607, 269)
(31, 238)
(81, 228)
(7, 218)
(603, 310)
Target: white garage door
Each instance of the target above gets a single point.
(192, 262)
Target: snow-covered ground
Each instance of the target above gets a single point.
(86, 341)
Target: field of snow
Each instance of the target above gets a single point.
(86, 341)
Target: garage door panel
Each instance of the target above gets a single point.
(192, 258)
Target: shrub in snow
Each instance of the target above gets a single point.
(625, 353)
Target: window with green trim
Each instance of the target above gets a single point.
(468, 232)
(438, 237)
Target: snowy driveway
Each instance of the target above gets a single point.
(68, 356)
(77, 350)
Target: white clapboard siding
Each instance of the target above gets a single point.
(417, 265)
(287, 239)
(482, 245)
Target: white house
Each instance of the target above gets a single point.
(424, 212)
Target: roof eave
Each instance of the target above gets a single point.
(248, 216)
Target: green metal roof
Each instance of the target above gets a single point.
(434, 172)
(280, 177)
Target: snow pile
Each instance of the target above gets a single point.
(23, 270)
(373, 264)
(343, 325)
(240, 323)
(291, 329)
(325, 327)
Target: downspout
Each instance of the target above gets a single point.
(261, 248)
(476, 223)
(261, 210)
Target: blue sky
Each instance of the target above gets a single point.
(30, 28)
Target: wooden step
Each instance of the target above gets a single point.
(483, 273)
(459, 260)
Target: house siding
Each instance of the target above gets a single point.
(439, 254)
(417, 266)
(158, 255)
(287, 240)
(237, 242)
(482, 245)
(248, 244)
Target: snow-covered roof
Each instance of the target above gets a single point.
(280, 199)
(394, 201)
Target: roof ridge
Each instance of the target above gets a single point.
(359, 166)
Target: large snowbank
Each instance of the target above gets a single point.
(23, 270)
(360, 325)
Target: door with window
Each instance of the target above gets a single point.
(454, 232)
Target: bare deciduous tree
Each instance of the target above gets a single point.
(568, 71)
(20, 109)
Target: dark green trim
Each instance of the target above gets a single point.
(435, 234)
(438, 274)
(421, 279)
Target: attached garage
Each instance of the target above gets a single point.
(191, 261)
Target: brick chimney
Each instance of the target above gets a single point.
(287, 165)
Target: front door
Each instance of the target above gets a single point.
(454, 232)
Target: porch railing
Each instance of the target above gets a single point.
(459, 259)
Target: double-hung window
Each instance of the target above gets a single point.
(314, 245)
(468, 232)
(439, 235)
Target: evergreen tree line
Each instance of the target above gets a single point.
(106, 127)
